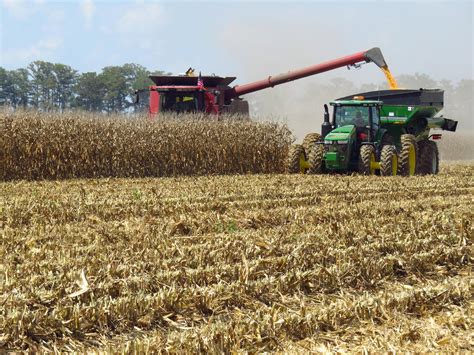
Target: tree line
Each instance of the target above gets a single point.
(57, 87)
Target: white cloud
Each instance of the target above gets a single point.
(22, 9)
(88, 11)
(54, 22)
(18, 9)
(41, 50)
(139, 18)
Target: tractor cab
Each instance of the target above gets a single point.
(354, 123)
(362, 114)
(357, 117)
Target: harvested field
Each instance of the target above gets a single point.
(35, 146)
(254, 263)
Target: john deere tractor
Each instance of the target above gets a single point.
(383, 132)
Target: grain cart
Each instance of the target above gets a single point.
(213, 95)
(386, 132)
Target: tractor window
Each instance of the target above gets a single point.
(352, 115)
(181, 102)
(375, 117)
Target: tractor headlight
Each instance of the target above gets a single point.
(328, 142)
(341, 142)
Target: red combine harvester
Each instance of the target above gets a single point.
(214, 96)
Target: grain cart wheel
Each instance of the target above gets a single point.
(297, 162)
(316, 159)
(428, 158)
(367, 162)
(309, 141)
(407, 156)
(388, 161)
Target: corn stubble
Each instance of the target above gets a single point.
(228, 263)
(38, 145)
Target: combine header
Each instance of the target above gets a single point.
(213, 95)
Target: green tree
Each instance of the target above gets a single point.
(43, 84)
(120, 84)
(65, 79)
(51, 85)
(116, 89)
(6, 87)
(90, 92)
(14, 87)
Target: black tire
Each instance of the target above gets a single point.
(387, 139)
(408, 155)
(366, 156)
(388, 161)
(309, 140)
(295, 154)
(428, 158)
(316, 159)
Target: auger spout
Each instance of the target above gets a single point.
(372, 55)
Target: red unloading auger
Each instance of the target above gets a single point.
(372, 55)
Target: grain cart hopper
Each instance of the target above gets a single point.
(213, 95)
(386, 132)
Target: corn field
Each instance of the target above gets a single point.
(236, 263)
(35, 146)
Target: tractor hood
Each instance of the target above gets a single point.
(341, 133)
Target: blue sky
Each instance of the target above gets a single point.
(248, 39)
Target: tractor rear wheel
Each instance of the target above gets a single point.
(407, 157)
(367, 160)
(388, 161)
(316, 159)
(296, 160)
(387, 139)
(309, 140)
(428, 158)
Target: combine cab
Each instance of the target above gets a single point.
(184, 94)
(380, 132)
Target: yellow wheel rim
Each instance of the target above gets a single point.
(304, 165)
(411, 160)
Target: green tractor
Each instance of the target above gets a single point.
(383, 132)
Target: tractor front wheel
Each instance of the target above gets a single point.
(408, 153)
(388, 161)
(316, 159)
(367, 163)
(428, 158)
(297, 162)
(309, 141)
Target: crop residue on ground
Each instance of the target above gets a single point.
(253, 263)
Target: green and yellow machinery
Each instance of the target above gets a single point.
(386, 132)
